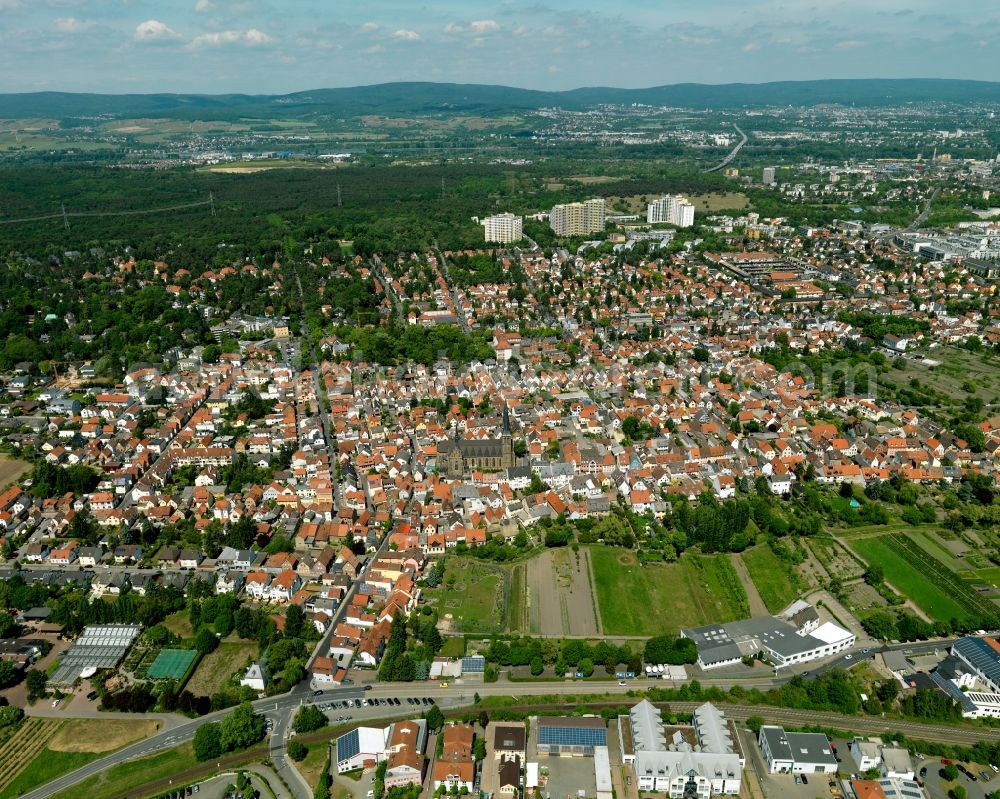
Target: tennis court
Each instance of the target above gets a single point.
(171, 664)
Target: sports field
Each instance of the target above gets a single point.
(171, 664)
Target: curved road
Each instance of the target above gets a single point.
(732, 155)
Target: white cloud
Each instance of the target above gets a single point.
(202, 6)
(484, 26)
(749, 47)
(477, 27)
(849, 44)
(583, 44)
(368, 27)
(375, 48)
(255, 37)
(251, 38)
(406, 36)
(152, 30)
(70, 25)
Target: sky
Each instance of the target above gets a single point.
(274, 47)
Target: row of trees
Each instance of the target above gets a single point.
(562, 655)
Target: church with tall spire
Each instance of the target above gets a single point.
(459, 457)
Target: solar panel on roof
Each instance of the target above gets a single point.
(348, 745)
(473, 664)
(573, 736)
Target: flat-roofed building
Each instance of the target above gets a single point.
(781, 642)
(796, 752)
(570, 736)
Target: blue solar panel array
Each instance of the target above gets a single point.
(348, 745)
(572, 736)
(473, 664)
(981, 656)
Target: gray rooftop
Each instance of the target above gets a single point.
(647, 728)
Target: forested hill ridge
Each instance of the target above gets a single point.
(434, 98)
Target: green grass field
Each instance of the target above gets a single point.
(125, 776)
(47, 765)
(989, 575)
(216, 668)
(469, 594)
(662, 597)
(933, 599)
(772, 576)
(454, 647)
(515, 611)
(171, 664)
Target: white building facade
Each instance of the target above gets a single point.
(671, 210)
(503, 228)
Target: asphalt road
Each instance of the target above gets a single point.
(462, 693)
(732, 155)
(278, 744)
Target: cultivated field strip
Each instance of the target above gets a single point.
(917, 557)
(23, 746)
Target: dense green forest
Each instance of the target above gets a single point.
(382, 208)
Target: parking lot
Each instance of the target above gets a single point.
(341, 710)
(566, 775)
(778, 786)
(986, 780)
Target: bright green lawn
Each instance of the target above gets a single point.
(46, 766)
(911, 581)
(773, 577)
(661, 597)
(125, 776)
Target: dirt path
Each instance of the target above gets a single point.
(562, 596)
(757, 606)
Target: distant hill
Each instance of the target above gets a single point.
(437, 98)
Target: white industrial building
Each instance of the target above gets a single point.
(362, 747)
(971, 676)
(891, 761)
(798, 640)
(796, 752)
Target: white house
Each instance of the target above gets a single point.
(256, 677)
